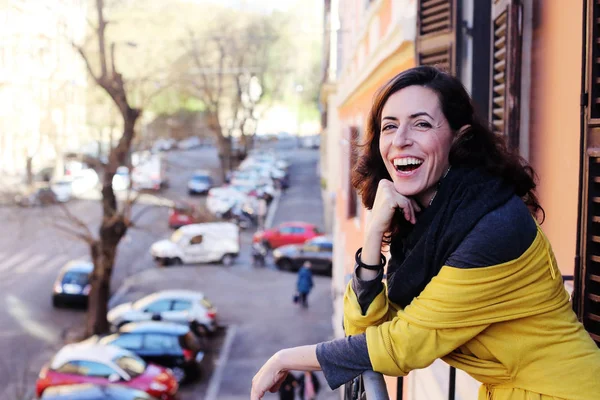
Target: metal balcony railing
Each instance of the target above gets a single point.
(371, 385)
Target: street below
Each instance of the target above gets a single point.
(255, 307)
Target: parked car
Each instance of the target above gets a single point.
(62, 189)
(168, 344)
(121, 179)
(40, 194)
(200, 183)
(318, 250)
(72, 286)
(199, 243)
(222, 199)
(182, 214)
(88, 391)
(103, 364)
(178, 306)
(287, 233)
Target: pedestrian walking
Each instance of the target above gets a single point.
(259, 254)
(309, 385)
(472, 278)
(261, 212)
(287, 390)
(304, 283)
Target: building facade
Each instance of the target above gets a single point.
(42, 83)
(531, 67)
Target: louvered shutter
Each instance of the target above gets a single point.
(436, 34)
(587, 285)
(507, 31)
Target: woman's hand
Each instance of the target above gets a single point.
(272, 374)
(387, 200)
(268, 378)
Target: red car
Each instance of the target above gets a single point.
(102, 364)
(181, 215)
(287, 233)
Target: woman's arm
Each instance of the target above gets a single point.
(274, 371)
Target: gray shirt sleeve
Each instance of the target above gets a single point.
(343, 359)
(366, 291)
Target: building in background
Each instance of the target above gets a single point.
(531, 73)
(42, 83)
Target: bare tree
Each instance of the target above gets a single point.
(115, 221)
(227, 73)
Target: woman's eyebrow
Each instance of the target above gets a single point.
(419, 114)
(411, 116)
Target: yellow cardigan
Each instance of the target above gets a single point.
(510, 326)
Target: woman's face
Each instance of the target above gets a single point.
(415, 141)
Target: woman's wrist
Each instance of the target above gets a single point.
(302, 358)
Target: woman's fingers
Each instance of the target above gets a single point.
(408, 206)
(266, 380)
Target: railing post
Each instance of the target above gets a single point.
(452, 384)
(399, 388)
(375, 388)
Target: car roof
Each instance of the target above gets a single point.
(87, 352)
(321, 239)
(78, 266)
(154, 327)
(175, 293)
(88, 391)
(298, 223)
(207, 227)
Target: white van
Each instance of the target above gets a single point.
(199, 243)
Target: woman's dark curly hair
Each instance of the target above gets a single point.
(477, 147)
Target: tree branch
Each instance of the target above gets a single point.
(73, 233)
(75, 220)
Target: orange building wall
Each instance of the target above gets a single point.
(554, 124)
(359, 103)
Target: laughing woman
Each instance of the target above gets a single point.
(471, 279)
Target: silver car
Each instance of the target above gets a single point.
(178, 306)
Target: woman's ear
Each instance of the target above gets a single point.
(463, 133)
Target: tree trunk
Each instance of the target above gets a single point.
(112, 229)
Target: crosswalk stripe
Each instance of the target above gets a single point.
(29, 263)
(11, 261)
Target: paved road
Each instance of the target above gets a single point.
(254, 304)
(32, 252)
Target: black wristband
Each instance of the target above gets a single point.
(371, 267)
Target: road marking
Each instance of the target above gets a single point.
(24, 318)
(14, 259)
(26, 265)
(216, 378)
(272, 210)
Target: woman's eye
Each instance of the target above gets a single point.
(423, 124)
(387, 128)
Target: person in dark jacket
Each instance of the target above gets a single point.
(304, 283)
(287, 390)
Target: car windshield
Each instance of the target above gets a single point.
(176, 236)
(206, 303)
(75, 277)
(201, 178)
(134, 366)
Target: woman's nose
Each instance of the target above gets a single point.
(402, 137)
